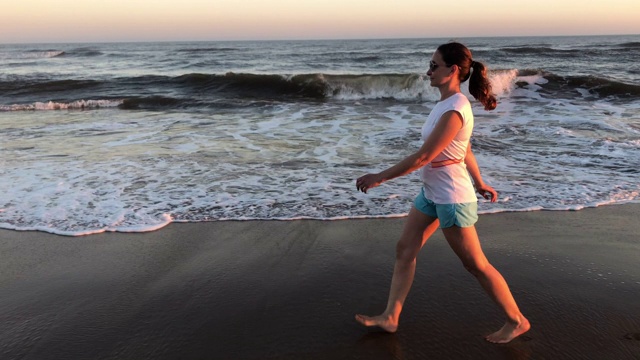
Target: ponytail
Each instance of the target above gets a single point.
(480, 87)
(454, 53)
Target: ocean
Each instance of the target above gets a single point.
(133, 136)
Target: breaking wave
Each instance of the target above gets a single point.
(212, 90)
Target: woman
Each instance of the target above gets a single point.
(447, 198)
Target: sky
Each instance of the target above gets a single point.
(43, 21)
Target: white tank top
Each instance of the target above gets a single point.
(446, 179)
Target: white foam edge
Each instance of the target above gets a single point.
(73, 105)
(166, 220)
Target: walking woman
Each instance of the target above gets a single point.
(447, 197)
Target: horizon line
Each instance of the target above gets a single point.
(302, 40)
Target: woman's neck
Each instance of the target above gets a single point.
(448, 91)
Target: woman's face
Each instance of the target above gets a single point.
(439, 73)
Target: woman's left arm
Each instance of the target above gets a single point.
(472, 167)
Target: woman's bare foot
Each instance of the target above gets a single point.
(509, 331)
(381, 321)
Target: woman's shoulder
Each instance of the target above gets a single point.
(461, 104)
(460, 98)
(457, 101)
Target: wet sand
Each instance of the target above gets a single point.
(289, 290)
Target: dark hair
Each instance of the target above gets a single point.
(454, 53)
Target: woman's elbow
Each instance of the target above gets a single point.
(422, 160)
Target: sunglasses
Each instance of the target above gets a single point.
(433, 66)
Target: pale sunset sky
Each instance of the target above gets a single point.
(33, 21)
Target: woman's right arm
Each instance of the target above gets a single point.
(444, 132)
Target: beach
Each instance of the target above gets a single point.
(290, 289)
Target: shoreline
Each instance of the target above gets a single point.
(168, 221)
(289, 290)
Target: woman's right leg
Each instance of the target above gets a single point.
(418, 228)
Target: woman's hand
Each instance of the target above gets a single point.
(487, 192)
(368, 181)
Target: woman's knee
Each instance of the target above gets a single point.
(418, 228)
(475, 267)
(407, 250)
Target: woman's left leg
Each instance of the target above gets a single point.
(465, 243)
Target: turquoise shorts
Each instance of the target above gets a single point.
(461, 215)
